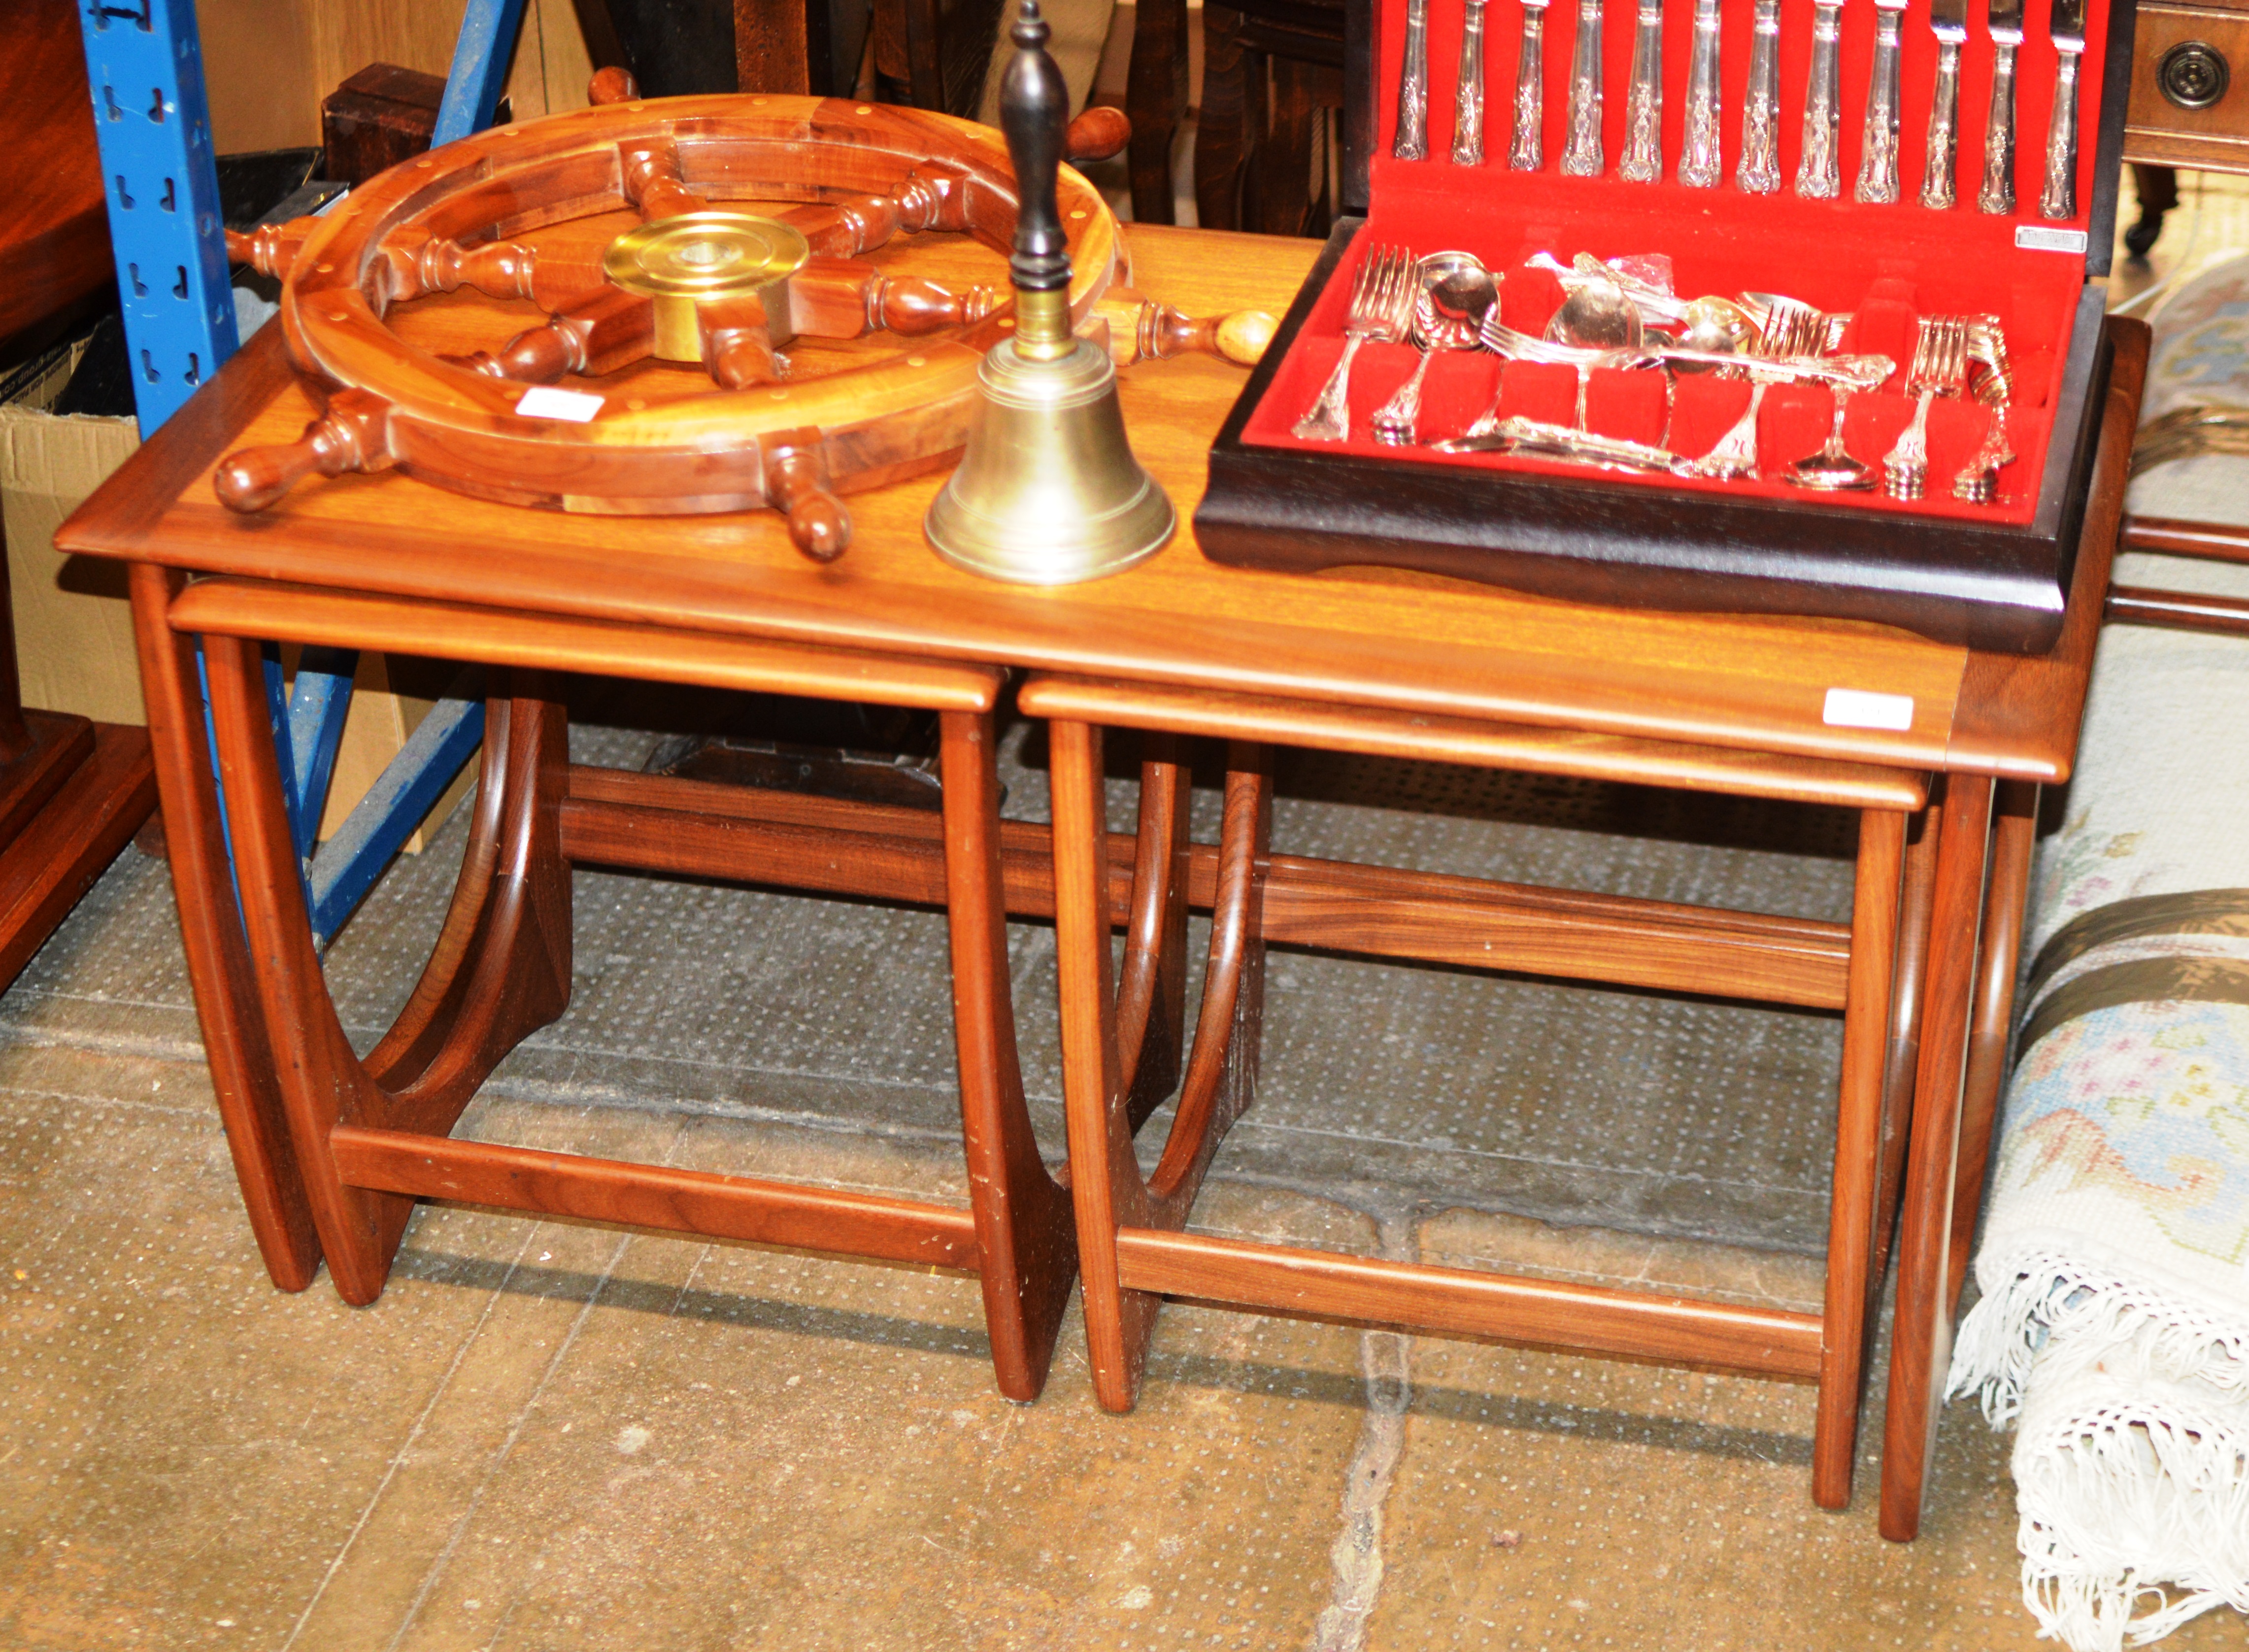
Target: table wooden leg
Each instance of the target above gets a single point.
(1026, 1247)
(1922, 1340)
(1858, 1140)
(491, 981)
(242, 1067)
(1110, 1194)
(2014, 840)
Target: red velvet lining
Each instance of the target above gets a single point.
(1885, 264)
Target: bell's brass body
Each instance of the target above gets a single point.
(1049, 492)
(679, 262)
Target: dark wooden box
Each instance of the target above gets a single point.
(380, 116)
(1993, 577)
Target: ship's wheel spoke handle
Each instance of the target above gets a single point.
(599, 333)
(352, 434)
(737, 347)
(797, 482)
(1144, 329)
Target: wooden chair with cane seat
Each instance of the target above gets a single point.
(1132, 1244)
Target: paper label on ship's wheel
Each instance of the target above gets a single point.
(1862, 708)
(545, 401)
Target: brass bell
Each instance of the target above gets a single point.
(1047, 491)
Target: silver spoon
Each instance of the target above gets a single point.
(1456, 292)
(1832, 470)
(1597, 315)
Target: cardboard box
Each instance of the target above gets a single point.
(75, 624)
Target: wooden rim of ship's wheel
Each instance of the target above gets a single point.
(698, 283)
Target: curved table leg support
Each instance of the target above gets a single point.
(241, 1059)
(1921, 838)
(1922, 1340)
(1026, 1249)
(1151, 991)
(2013, 843)
(509, 976)
(1106, 1185)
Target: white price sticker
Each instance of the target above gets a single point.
(2035, 237)
(1860, 708)
(545, 401)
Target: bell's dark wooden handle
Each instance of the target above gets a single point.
(1098, 134)
(1034, 109)
(796, 483)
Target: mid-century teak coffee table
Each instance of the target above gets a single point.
(330, 1150)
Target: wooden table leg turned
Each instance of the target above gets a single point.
(1922, 1338)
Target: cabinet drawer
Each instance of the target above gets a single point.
(2190, 104)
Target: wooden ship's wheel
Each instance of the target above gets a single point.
(674, 373)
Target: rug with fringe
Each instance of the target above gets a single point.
(2113, 1331)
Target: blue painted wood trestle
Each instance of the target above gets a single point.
(144, 67)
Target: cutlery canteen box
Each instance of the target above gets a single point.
(1990, 575)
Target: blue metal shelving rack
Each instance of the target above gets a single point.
(145, 69)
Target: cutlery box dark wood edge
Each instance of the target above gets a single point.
(1639, 545)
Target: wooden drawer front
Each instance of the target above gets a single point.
(2156, 128)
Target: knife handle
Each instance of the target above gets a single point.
(1998, 194)
(1527, 151)
(1467, 99)
(1937, 182)
(1642, 161)
(1581, 151)
(1413, 141)
(1701, 163)
(1878, 163)
(1818, 176)
(2058, 198)
(1758, 170)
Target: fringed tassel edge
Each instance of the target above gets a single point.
(2057, 1299)
(2162, 1495)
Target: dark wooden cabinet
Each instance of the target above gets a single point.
(2190, 103)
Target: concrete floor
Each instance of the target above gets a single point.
(549, 1435)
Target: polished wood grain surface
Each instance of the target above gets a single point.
(1459, 1301)
(245, 608)
(1364, 638)
(54, 236)
(560, 1184)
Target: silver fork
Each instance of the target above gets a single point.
(1508, 344)
(1790, 329)
(1939, 368)
(1381, 305)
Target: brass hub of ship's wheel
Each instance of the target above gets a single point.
(681, 263)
